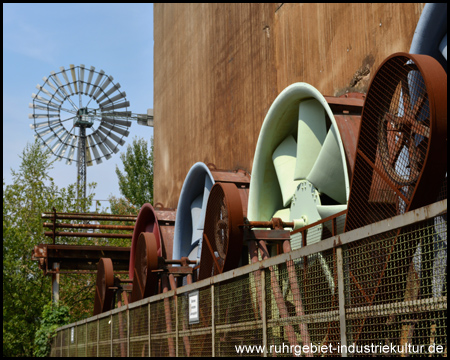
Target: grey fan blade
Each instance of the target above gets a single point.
(100, 144)
(117, 129)
(65, 143)
(108, 143)
(103, 86)
(116, 121)
(110, 134)
(81, 81)
(109, 92)
(116, 106)
(72, 150)
(43, 100)
(55, 89)
(115, 98)
(63, 72)
(45, 108)
(59, 84)
(89, 81)
(52, 97)
(94, 149)
(43, 124)
(74, 77)
(97, 81)
(41, 116)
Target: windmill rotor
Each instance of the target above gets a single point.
(83, 99)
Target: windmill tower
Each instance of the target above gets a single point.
(87, 100)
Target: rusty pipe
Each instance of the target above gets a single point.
(90, 226)
(86, 234)
(90, 217)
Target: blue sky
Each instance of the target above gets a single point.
(40, 38)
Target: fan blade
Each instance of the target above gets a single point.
(109, 144)
(117, 129)
(206, 191)
(81, 81)
(329, 210)
(103, 86)
(56, 90)
(63, 72)
(108, 133)
(99, 77)
(41, 116)
(43, 100)
(283, 214)
(116, 106)
(327, 174)
(45, 108)
(74, 77)
(102, 147)
(42, 124)
(116, 121)
(115, 98)
(89, 81)
(52, 97)
(94, 149)
(196, 211)
(311, 134)
(64, 141)
(59, 83)
(109, 92)
(88, 156)
(284, 162)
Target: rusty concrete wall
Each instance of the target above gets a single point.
(218, 67)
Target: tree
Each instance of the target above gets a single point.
(136, 182)
(25, 289)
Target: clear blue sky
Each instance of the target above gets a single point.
(40, 38)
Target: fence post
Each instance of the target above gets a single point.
(111, 333)
(175, 299)
(98, 335)
(149, 331)
(213, 322)
(263, 310)
(128, 332)
(86, 339)
(341, 293)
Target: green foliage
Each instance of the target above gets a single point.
(25, 289)
(52, 318)
(136, 182)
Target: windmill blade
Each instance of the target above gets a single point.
(103, 86)
(102, 147)
(116, 106)
(52, 97)
(94, 149)
(54, 135)
(45, 108)
(116, 121)
(63, 72)
(72, 150)
(43, 100)
(41, 116)
(43, 124)
(55, 89)
(284, 158)
(97, 81)
(59, 83)
(74, 77)
(116, 87)
(115, 98)
(327, 173)
(57, 140)
(65, 143)
(88, 156)
(109, 134)
(311, 134)
(81, 81)
(117, 129)
(89, 81)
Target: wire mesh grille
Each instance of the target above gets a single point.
(395, 293)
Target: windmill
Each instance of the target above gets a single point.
(87, 100)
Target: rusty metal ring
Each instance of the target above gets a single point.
(105, 280)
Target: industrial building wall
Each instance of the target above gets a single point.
(218, 68)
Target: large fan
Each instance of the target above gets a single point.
(191, 208)
(63, 104)
(300, 170)
(401, 164)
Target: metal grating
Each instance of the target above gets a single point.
(329, 294)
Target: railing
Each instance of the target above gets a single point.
(377, 290)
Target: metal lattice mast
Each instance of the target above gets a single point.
(81, 178)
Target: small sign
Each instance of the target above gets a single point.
(193, 307)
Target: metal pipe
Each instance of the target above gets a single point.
(91, 217)
(86, 234)
(90, 226)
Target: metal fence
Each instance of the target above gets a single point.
(377, 290)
